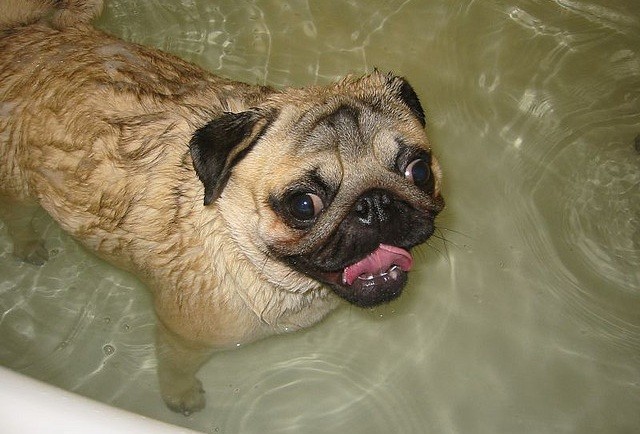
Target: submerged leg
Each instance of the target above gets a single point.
(27, 243)
(178, 362)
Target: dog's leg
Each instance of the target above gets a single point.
(178, 362)
(27, 243)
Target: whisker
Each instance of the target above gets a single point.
(454, 231)
(445, 254)
(444, 239)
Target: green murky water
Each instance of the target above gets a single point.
(527, 319)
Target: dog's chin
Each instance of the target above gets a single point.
(368, 291)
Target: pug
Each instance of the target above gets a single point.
(248, 211)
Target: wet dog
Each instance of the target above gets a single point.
(248, 211)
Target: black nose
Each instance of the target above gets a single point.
(373, 207)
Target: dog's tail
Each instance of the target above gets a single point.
(60, 13)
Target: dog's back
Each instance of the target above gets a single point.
(88, 121)
(18, 19)
(62, 13)
(90, 124)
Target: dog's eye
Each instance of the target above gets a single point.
(305, 206)
(418, 172)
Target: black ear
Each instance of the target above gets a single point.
(219, 145)
(408, 96)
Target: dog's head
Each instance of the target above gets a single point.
(334, 184)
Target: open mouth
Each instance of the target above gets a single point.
(377, 278)
(386, 262)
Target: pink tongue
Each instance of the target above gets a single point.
(379, 261)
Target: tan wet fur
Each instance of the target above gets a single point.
(97, 131)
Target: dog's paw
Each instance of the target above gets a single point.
(185, 401)
(31, 251)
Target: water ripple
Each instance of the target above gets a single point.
(346, 399)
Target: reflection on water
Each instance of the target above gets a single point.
(527, 319)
